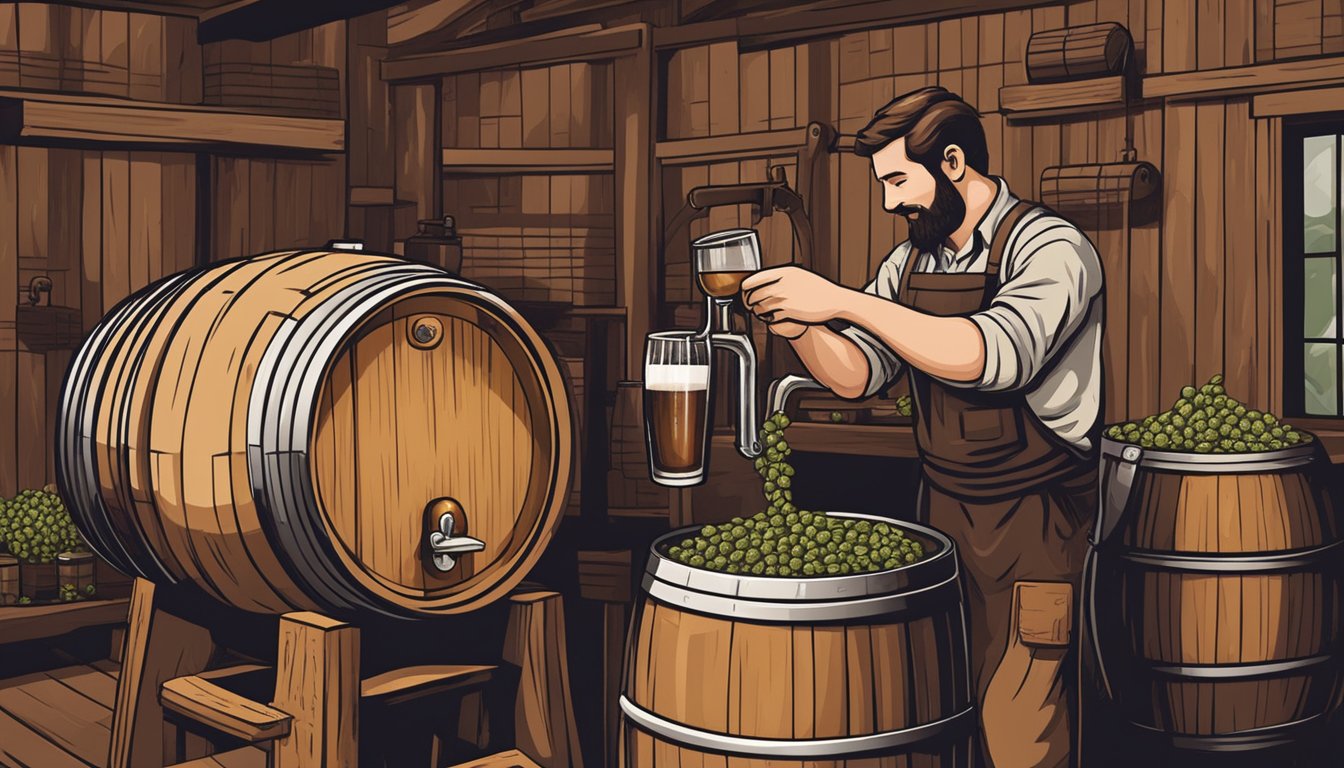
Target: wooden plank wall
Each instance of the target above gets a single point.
(105, 52)
(1211, 271)
(101, 225)
(262, 204)
(534, 236)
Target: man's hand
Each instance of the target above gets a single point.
(792, 294)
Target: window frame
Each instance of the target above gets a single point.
(1294, 267)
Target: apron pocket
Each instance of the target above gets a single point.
(983, 424)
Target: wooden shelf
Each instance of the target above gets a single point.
(1255, 78)
(894, 441)
(33, 116)
(33, 622)
(736, 146)
(529, 161)
(1049, 99)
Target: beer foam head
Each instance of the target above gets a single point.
(676, 378)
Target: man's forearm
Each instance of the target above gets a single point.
(833, 360)
(950, 348)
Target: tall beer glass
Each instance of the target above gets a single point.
(676, 406)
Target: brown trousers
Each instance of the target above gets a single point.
(1026, 690)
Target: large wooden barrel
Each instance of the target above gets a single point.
(782, 671)
(1091, 50)
(287, 430)
(1213, 595)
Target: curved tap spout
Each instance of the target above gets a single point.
(748, 444)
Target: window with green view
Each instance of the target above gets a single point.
(1313, 306)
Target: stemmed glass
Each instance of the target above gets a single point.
(722, 261)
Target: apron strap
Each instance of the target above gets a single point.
(1002, 233)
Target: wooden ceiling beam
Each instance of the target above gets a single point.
(141, 6)
(258, 20)
(587, 45)
(828, 18)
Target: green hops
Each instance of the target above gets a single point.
(784, 540)
(35, 526)
(1207, 420)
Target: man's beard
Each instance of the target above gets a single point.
(936, 223)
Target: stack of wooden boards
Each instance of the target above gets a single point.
(300, 90)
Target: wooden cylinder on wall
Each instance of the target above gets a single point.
(287, 432)
(1073, 53)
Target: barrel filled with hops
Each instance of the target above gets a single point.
(318, 430)
(1214, 595)
(859, 650)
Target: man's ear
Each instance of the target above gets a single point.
(954, 163)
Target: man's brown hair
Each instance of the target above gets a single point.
(930, 119)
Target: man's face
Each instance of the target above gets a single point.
(928, 200)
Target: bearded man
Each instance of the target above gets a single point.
(994, 307)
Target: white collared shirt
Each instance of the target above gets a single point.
(1043, 328)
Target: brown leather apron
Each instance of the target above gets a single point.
(1017, 500)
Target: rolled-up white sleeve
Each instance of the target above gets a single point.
(1055, 276)
(883, 364)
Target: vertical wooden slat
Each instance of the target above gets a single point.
(723, 89)
(1179, 44)
(636, 199)
(178, 204)
(754, 83)
(91, 239)
(1178, 251)
(1264, 30)
(262, 202)
(581, 124)
(1210, 30)
(116, 219)
(1241, 331)
(1145, 287)
(146, 213)
(536, 97)
(559, 106)
(417, 166)
(1239, 33)
(782, 88)
(855, 209)
(9, 288)
(1210, 267)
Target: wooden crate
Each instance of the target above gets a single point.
(293, 89)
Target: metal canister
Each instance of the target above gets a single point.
(436, 243)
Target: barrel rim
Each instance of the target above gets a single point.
(833, 747)
(928, 572)
(1292, 457)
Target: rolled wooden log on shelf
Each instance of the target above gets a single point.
(1074, 53)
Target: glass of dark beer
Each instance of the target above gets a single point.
(676, 406)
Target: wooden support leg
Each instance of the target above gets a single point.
(158, 646)
(317, 682)
(605, 577)
(544, 726)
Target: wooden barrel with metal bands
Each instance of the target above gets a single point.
(788, 671)
(1215, 596)
(318, 430)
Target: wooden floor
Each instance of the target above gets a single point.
(62, 718)
(58, 719)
